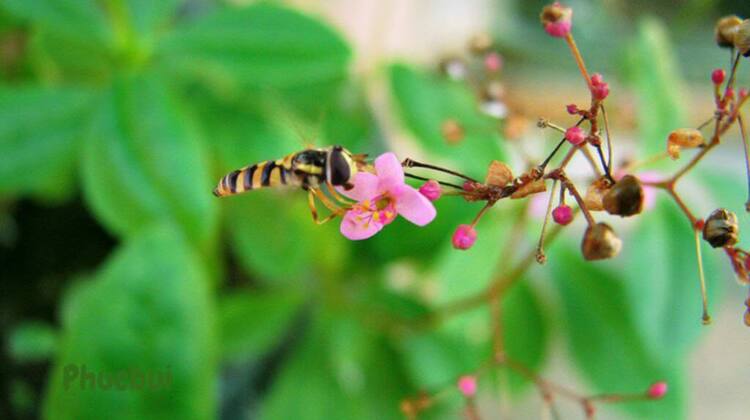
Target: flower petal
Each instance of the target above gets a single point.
(365, 187)
(358, 229)
(414, 206)
(390, 172)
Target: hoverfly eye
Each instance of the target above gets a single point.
(340, 171)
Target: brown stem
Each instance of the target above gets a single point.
(579, 59)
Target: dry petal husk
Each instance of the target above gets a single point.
(600, 242)
(625, 198)
(725, 30)
(683, 138)
(498, 174)
(594, 198)
(721, 228)
(742, 38)
(529, 188)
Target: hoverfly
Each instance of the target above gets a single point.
(310, 169)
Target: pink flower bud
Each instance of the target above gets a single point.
(717, 76)
(557, 20)
(464, 237)
(562, 214)
(493, 62)
(467, 384)
(742, 93)
(596, 79)
(572, 109)
(657, 390)
(431, 190)
(469, 186)
(600, 91)
(575, 135)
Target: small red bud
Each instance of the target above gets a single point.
(596, 79)
(493, 62)
(743, 93)
(562, 214)
(469, 186)
(467, 384)
(572, 109)
(431, 190)
(575, 135)
(717, 76)
(557, 20)
(657, 390)
(464, 237)
(600, 91)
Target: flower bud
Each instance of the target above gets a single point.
(600, 242)
(562, 214)
(493, 62)
(572, 109)
(721, 228)
(453, 131)
(717, 76)
(498, 174)
(557, 20)
(725, 29)
(431, 189)
(597, 79)
(683, 138)
(742, 38)
(625, 198)
(657, 390)
(575, 135)
(454, 68)
(467, 384)
(600, 92)
(464, 237)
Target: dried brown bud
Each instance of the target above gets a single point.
(480, 43)
(742, 38)
(453, 131)
(454, 68)
(529, 188)
(721, 228)
(498, 174)
(625, 198)
(683, 138)
(600, 242)
(555, 12)
(725, 29)
(594, 198)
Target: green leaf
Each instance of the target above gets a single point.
(656, 80)
(148, 311)
(252, 323)
(605, 340)
(79, 19)
(144, 162)
(262, 45)
(150, 16)
(32, 341)
(340, 370)
(425, 101)
(39, 133)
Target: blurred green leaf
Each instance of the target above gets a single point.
(658, 85)
(57, 58)
(252, 323)
(150, 16)
(149, 309)
(666, 305)
(425, 101)
(39, 133)
(339, 370)
(263, 45)
(80, 19)
(32, 341)
(606, 341)
(144, 162)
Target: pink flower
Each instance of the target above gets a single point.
(717, 76)
(431, 190)
(467, 384)
(575, 135)
(464, 237)
(562, 214)
(493, 62)
(657, 390)
(380, 197)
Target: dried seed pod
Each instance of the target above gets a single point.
(594, 198)
(453, 131)
(742, 38)
(625, 198)
(454, 68)
(529, 188)
(554, 13)
(498, 174)
(687, 138)
(721, 228)
(600, 242)
(480, 43)
(725, 29)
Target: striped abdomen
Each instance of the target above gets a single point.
(265, 174)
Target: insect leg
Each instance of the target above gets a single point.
(336, 195)
(336, 211)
